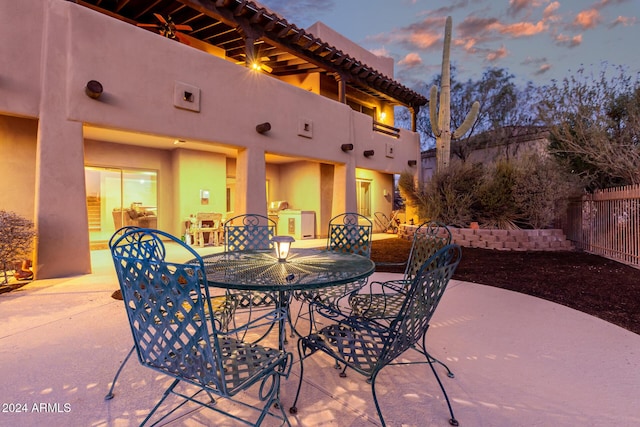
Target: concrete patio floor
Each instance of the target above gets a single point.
(518, 361)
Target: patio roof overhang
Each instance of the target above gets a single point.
(242, 29)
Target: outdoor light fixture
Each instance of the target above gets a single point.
(282, 245)
(93, 89)
(412, 162)
(346, 147)
(263, 127)
(369, 153)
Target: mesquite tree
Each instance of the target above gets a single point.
(594, 126)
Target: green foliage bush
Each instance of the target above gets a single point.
(497, 207)
(542, 190)
(528, 192)
(16, 241)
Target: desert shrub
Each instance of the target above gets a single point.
(16, 241)
(497, 207)
(527, 192)
(449, 196)
(542, 190)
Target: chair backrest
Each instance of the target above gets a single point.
(421, 301)
(139, 244)
(166, 304)
(249, 232)
(350, 232)
(428, 239)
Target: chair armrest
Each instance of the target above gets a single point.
(390, 286)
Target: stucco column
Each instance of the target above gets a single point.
(251, 175)
(344, 189)
(62, 247)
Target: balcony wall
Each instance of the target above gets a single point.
(139, 70)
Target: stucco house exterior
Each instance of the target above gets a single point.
(174, 107)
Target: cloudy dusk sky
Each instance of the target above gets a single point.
(536, 40)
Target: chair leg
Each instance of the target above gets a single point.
(294, 409)
(432, 359)
(452, 420)
(295, 323)
(375, 397)
(109, 395)
(155, 408)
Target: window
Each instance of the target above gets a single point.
(363, 194)
(371, 112)
(118, 197)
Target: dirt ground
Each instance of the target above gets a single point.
(589, 283)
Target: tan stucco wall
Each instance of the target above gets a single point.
(18, 164)
(65, 45)
(194, 171)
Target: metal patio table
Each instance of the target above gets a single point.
(303, 269)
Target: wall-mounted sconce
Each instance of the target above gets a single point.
(346, 147)
(93, 89)
(263, 127)
(369, 153)
(204, 197)
(412, 163)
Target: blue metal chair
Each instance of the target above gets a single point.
(385, 303)
(428, 239)
(368, 345)
(126, 242)
(167, 304)
(251, 232)
(347, 233)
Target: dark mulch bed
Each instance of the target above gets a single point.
(589, 283)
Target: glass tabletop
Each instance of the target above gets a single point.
(304, 269)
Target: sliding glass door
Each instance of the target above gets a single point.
(119, 197)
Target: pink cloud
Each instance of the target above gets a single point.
(623, 20)
(381, 52)
(543, 69)
(563, 40)
(497, 54)
(472, 26)
(548, 14)
(411, 60)
(423, 39)
(589, 18)
(523, 29)
(517, 6)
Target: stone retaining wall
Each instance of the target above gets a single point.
(503, 240)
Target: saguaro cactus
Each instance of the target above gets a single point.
(441, 119)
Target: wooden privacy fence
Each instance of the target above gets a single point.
(607, 223)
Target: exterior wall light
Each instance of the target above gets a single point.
(412, 163)
(282, 244)
(263, 127)
(346, 147)
(369, 153)
(93, 89)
